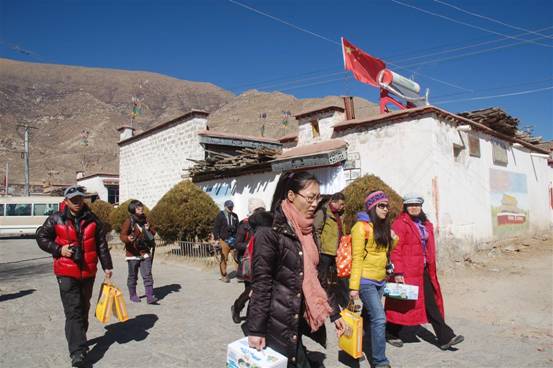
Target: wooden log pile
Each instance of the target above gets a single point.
(220, 161)
(494, 118)
(500, 121)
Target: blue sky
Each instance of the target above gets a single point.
(236, 48)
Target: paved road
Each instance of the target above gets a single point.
(191, 327)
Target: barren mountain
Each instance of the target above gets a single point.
(64, 101)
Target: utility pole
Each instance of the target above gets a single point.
(6, 179)
(27, 128)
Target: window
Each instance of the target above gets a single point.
(113, 194)
(315, 128)
(499, 153)
(19, 209)
(1, 209)
(44, 209)
(474, 145)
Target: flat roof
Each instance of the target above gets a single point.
(313, 149)
(212, 133)
(168, 124)
(306, 113)
(99, 174)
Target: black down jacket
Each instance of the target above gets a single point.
(277, 306)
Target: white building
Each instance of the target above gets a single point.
(478, 184)
(105, 185)
(151, 163)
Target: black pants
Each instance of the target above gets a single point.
(337, 287)
(145, 270)
(443, 332)
(75, 297)
(241, 301)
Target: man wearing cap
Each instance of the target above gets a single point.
(76, 239)
(224, 231)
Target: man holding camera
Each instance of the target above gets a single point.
(76, 239)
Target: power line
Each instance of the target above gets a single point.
(471, 46)
(497, 96)
(337, 43)
(284, 84)
(491, 19)
(435, 61)
(468, 24)
(284, 22)
(317, 83)
(500, 87)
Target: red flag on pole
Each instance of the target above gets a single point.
(364, 67)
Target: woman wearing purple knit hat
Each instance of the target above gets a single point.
(372, 240)
(415, 264)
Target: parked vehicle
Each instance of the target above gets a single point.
(21, 216)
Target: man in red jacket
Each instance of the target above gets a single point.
(76, 239)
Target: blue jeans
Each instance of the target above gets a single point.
(371, 296)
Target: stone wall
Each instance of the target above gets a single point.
(151, 166)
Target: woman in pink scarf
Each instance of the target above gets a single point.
(288, 298)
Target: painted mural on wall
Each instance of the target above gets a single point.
(509, 202)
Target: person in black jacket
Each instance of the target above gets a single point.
(224, 231)
(288, 297)
(245, 234)
(76, 239)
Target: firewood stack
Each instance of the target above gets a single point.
(500, 121)
(494, 118)
(219, 161)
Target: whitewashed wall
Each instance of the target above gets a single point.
(417, 156)
(263, 186)
(95, 184)
(151, 166)
(326, 124)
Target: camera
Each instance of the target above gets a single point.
(389, 268)
(77, 256)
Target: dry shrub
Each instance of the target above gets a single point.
(357, 191)
(184, 213)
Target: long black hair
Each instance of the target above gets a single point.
(294, 181)
(381, 228)
(421, 217)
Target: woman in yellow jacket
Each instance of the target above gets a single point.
(372, 239)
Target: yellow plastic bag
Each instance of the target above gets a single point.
(105, 302)
(119, 306)
(352, 340)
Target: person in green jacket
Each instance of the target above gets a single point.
(372, 239)
(329, 229)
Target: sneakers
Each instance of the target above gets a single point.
(454, 341)
(78, 359)
(224, 279)
(235, 315)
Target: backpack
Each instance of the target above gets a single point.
(246, 267)
(343, 253)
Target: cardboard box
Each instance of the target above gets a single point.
(240, 355)
(401, 291)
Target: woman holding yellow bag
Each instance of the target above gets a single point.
(372, 240)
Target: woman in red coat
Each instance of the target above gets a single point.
(414, 258)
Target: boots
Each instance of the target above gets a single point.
(150, 297)
(132, 293)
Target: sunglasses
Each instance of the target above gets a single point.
(383, 206)
(75, 189)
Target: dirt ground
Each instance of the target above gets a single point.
(510, 287)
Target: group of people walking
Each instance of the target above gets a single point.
(295, 287)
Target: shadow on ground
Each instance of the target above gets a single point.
(135, 329)
(16, 295)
